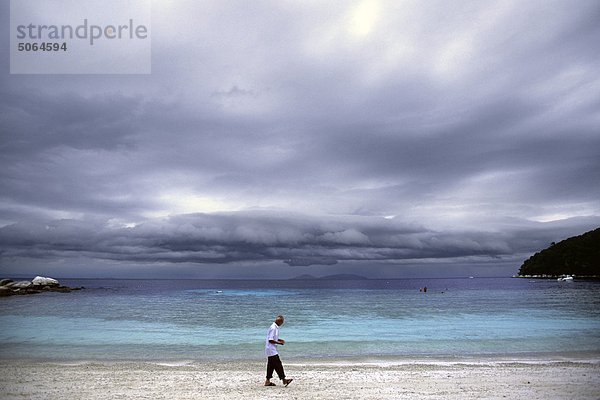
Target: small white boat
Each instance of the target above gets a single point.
(565, 278)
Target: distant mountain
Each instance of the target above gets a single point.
(337, 277)
(578, 255)
(343, 277)
(305, 277)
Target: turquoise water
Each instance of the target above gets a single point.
(227, 320)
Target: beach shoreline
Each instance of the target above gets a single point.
(591, 357)
(321, 379)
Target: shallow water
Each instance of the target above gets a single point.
(227, 320)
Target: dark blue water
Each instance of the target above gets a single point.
(225, 319)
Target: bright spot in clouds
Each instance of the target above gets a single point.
(187, 203)
(364, 17)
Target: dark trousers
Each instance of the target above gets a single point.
(274, 364)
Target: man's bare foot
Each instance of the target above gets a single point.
(269, 383)
(287, 381)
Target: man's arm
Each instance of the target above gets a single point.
(280, 341)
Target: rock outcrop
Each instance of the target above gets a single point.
(39, 284)
(20, 285)
(42, 281)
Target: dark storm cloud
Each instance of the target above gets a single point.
(456, 118)
(249, 237)
(38, 121)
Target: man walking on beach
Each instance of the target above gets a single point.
(273, 361)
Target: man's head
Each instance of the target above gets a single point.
(279, 320)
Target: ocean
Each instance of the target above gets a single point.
(212, 320)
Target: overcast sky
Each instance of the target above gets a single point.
(278, 138)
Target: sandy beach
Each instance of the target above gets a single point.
(341, 380)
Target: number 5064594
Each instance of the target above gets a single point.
(44, 46)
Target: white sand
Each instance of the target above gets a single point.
(230, 380)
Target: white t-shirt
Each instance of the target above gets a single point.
(272, 334)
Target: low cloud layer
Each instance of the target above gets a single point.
(263, 237)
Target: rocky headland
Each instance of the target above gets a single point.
(576, 256)
(39, 284)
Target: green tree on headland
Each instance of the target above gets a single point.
(578, 255)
